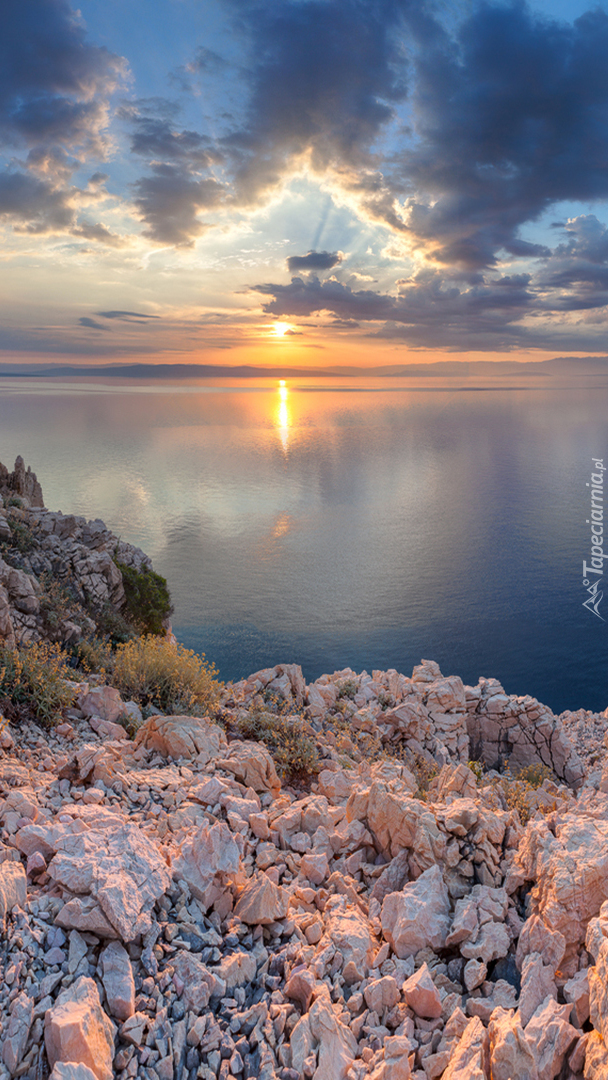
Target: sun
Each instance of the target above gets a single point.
(281, 328)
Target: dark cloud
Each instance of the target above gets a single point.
(54, 84)
(91, 324)
(314, 260)
(324, 78)
(33, 204)
(432, 312)
(90, 230)
(169, 202)
(127, 315)
(510, 116)
(156, 138)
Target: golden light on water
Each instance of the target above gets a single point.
(283, 415)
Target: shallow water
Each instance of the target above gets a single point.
(362, 524)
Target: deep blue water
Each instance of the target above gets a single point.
(366, 525)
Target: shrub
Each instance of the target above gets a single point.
(156, 671)
(293, 751)
(95, 655)
(148, 603)
(21, 538)
(112, 625)
(32, 681)
(347, 688)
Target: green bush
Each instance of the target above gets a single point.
(148, 603)
(156, 671)
(32, 682)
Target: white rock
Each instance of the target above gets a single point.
(418, 916)
(77, 1030)
(118, 982)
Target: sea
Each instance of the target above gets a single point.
(348, 522)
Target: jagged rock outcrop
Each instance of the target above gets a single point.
(21, 483)
(40, 546)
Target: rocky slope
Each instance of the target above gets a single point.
(42, 551)
(170, 907)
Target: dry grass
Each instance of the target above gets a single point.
(156, 671)
(32, 682)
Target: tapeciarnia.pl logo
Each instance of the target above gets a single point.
(593, 571)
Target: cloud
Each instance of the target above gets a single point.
(510, 115)
(314, 260)
(90, 230)
(323, 79)
(127, 315)
(155, 137)
(493, 313)
(54, 85)
(33, 204)
(169, 202)
(91, 324)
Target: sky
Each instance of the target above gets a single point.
(310, 182)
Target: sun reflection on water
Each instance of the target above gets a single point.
(283, 416)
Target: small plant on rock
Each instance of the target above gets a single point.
(157, 671)
(288, 739)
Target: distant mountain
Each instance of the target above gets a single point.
(559, 365)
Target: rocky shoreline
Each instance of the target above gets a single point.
(427, 899)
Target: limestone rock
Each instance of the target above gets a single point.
(182, 737)
(537, 983)
(77, 1030)
(66, 1070)
(418, 916)
(550, 1037)
(470, 1059)
(383, 994)
(349, 932)
(576, 992)
(208, 862)
(422, 995)
(252, 765)
(121, 868)
(83, 913)
(200, 984)
(117, 978)
(238, 969)
(16, 1035)
(13, 889)
(510, 1053)
(102, 701)
(568, 866)
(337, 1045)
(262, 902)
(596, 1057)
(535, 937)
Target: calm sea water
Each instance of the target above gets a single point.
(330, 524)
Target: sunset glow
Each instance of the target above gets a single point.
(194, 207)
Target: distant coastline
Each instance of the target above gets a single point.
(557, 366)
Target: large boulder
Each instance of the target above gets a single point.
(567, 865)
(209, 862)
(418, 916)
(252, 765)
(121, 868)
(182, 737)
